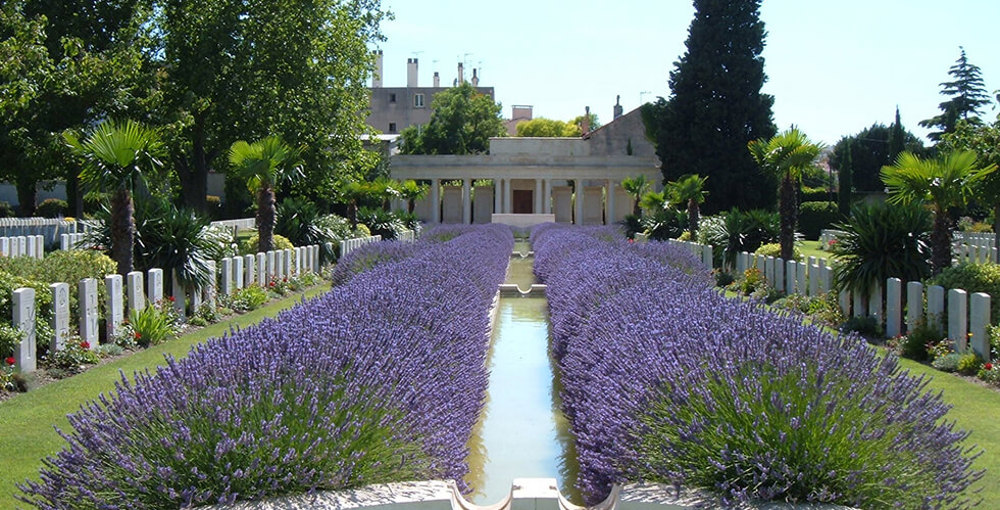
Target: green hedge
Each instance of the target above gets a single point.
(815, 216)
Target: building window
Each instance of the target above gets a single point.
(418, 100)
(392, 127)
(392, 98)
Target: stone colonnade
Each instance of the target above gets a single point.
(584, 201)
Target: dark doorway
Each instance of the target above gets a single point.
(523, 200)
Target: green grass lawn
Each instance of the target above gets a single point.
(811, 249)
(27, 421)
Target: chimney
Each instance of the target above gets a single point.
(475, 79)
(618, 107)
(411, 72)
(377, 73)
(585, 125)
(461, 73)
(437, 79)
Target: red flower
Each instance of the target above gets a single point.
(10, 360)
(271, 284)
(171, 298)
(85, 345)
(988, 366)
(631, 240)
(285, 280)
(138, 335)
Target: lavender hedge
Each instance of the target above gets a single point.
(664, 379)
(379, 380)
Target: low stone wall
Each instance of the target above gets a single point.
(523, 220)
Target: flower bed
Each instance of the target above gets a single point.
(379, 380)
(666, 380)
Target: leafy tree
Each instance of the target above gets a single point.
(869, 153)
(577, 122)
(984, 140)
(636, 186)
(786, 155)
(116, 156)
(462, 122)
(410, 191)
(653, 201)
(542, 127)
(716, 106)
(265, 164)
(233, 69)
(845, 182)
(968, 95)
(946, 181)
(688, 191)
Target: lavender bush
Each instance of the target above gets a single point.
(666, 380)
(379, 380)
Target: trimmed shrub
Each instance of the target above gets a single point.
(52, 208)
(816, 216)
(356, 387)
(249, 246)
(973, 278)
(757, 406)
(774, 250)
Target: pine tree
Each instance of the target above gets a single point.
(844, 178)
(897, 138)
(968, 94)
(716, 107)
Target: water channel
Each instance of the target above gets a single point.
(522, 433)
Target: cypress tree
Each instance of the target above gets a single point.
(896, 139)
(968, 94)
(844, 183)
(716, 107)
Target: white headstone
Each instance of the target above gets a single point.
(227, 276)
(40, 247)
(22, 246)
(248, 263)
(115, 304)
(791, 268)
(844, 299)
(238, 272)
(24, 319)
(60, 315)
(979, 324)
(5, 247)
(272, 271)
(178, 294)
(875, 303)
(857, 304)
(289, 261)
(800, 273)
(814, 279)
(133, 288)
(893, 307)
(298, 261)
(935, 306)
(769, 271)
(87, 292)
(211, 293)
(155, 285)
(64, 242)
(914, 304)
(262, 269)
(779, 274)
(30, 246)
(958, 317)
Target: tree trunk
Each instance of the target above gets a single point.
(410, 205)
(787, 211)
(27, 196)
(636, 210)
(122, 230)
(692, 217)
(193, 170)
(940, 243)
(266, 215)
(74, 195)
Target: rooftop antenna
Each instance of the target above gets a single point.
(643, 93)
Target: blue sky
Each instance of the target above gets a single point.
(833, 67)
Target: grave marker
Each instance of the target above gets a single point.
(115, 304)
(24, 319)
(60, 316)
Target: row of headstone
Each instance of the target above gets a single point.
(48, 228)
(407, 236)
(809, 278)
(239, 272)
(979, 252)
(702, 251)
(349, 245)
(138, 289)
(23, 246)
(975, 237)
(238, 224)
(73, 242)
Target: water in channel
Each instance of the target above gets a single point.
(522, 433)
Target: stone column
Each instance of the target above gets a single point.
(466, 201)
(609, 202)
(497, 196)
(538, 197)
(548, 197)
(435, 202)
(508, 192)
(578, 206)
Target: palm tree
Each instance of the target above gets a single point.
(116, 155)
(410, 191)
(653, 201)
(635, 186)
(946, 181)
(786, 155)
(688, 190)
(265, 164)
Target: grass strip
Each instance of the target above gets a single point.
(28, 421)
